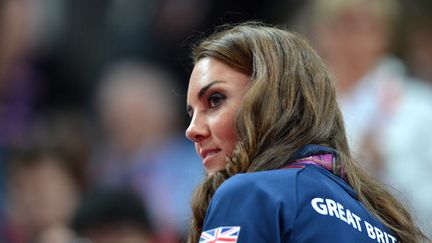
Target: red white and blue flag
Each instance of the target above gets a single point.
(220, 235)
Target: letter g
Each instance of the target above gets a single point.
(319, 205)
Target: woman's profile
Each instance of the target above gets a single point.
(265, 121)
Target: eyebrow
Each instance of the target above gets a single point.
(202, 91)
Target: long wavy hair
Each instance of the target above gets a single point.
(291, 102)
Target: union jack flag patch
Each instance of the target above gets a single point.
(220, 235)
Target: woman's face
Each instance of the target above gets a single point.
(214, 95)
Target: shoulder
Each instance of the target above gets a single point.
(264, 182)
(268, 182)
(270, 201)
(275, 188)
(257, 203)
(306, 204)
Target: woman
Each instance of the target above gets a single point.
(265, 122)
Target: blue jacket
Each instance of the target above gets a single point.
(306, 204)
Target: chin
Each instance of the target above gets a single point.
(211, 168)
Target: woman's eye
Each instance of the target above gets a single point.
(215, 99)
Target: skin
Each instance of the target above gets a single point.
(215, 93)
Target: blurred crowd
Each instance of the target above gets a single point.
(92, 107)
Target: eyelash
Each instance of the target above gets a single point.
(217, 98)
(212, 98)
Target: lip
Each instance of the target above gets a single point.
(207, 154)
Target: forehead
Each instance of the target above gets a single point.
(208, 70)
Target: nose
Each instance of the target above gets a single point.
(197, 130)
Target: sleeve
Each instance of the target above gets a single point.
(255, 207)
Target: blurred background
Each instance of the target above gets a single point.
(92, 97)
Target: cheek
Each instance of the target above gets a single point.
(224, 132)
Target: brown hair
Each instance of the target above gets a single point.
(291, 102)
